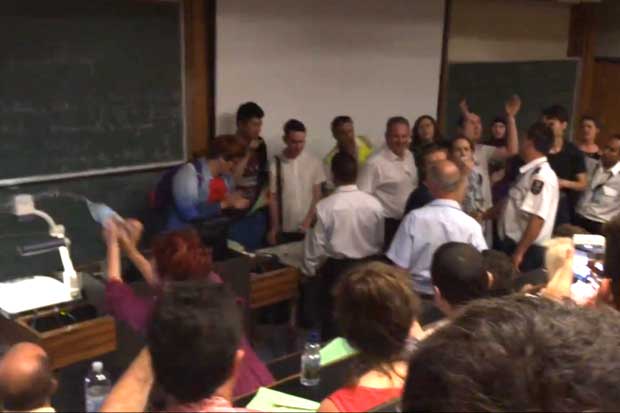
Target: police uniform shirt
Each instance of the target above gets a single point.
(601, 200)
(391, 179)
(424, 230)
(535, 192)
(350, 224)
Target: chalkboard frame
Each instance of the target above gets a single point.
(573, 110)
(11, 182)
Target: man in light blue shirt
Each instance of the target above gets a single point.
(425, 229)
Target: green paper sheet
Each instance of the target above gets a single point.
(268, 400)
(336, 350)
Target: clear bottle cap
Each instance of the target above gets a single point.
(97, 366)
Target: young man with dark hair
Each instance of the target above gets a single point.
(193, 352)
(429, 155)
(252, 177)
(601, 199)
(343, 131)
(295, 185)
(390, 174)
(528, 218)
(459, 276)
(518, 354)
(499, 265)
(349, 229)
(567, 161)
(27, 382)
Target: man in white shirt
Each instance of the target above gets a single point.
(349, 230)
(390, 174)
(425, 229)
(295, 185)
(470, 126)
(601, 200)
(528, 218)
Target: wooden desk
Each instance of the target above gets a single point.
(274, 287)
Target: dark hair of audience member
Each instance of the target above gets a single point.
(395, 120)
(227, 147)
(518, 353)
(248, 111)
(458, 271)
(181, 256)
(500, 266)
(375, 308)
(31, 394)
(340, 120)
(499, 119)
(415, 134)
(344, 168)
(293, 125)
(541, 136)
(427, 150)
(193, 339)
(558, 112)
(472, 146)
(592, 119)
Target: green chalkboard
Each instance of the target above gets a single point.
(487, 86)
(89, 86)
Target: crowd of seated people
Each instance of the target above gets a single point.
(456, 296)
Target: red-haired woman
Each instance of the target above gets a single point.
(177, 256)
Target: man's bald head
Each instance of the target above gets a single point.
(445, 181)
(26, 378)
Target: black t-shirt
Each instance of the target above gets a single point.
(568, 163)
(418, 198)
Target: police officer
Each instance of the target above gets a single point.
(529, 215)
(601, 200)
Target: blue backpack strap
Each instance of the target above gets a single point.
(198, 167)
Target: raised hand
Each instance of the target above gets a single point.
(464, 107)
(513, 105)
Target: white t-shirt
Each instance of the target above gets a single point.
(298, 176)
(391, 179)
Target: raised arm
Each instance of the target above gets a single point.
(131, 392)
(513, 106)
(129, 238)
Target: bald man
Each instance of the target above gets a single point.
(425, 229)
(26, 379)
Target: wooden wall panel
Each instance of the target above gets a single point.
(581, 44)
(198, 21)
(606, 95)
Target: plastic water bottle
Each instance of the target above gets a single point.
(97, 386)
(311, 361)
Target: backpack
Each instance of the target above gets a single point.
(161, 197)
